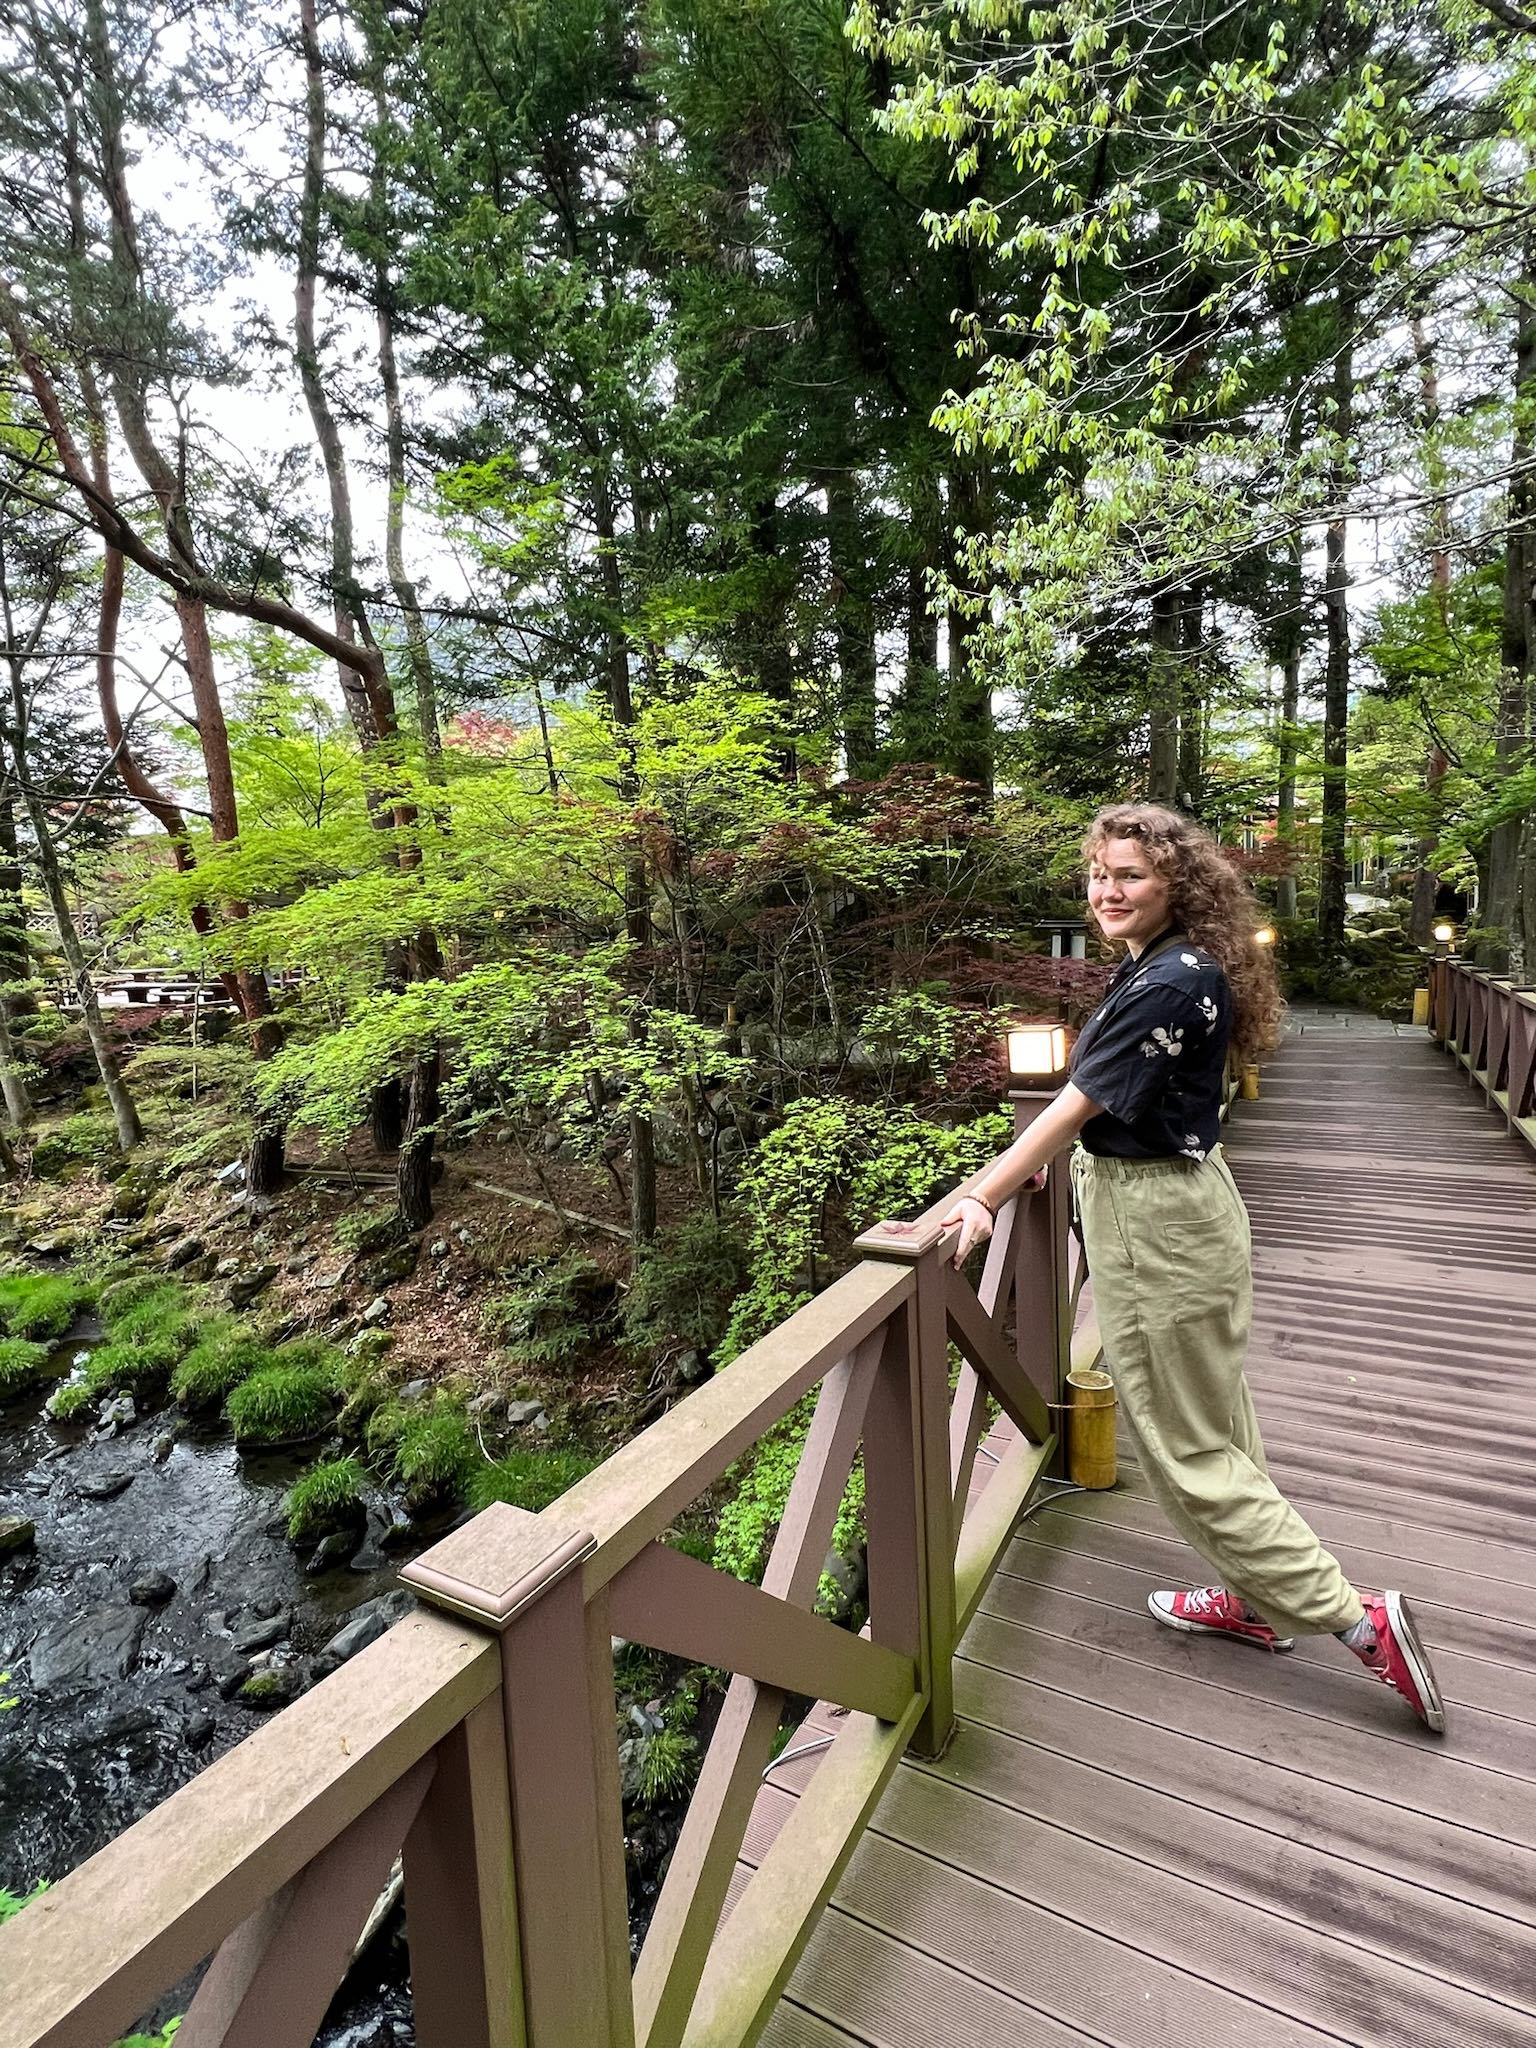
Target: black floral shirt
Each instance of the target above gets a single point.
(1153, 1055)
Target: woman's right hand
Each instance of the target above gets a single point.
(975, 1223)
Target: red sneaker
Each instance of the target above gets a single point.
(1213, 1611)
(1398, 1658)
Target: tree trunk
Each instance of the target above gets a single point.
(1192, 703)
(1426, 883)
(969, 749)
(1289, 734)
(413, 1178)
(18, 1102)
(853, 623)
(1502, 907)
(15, 955)
(1163, 740)
(1334, 837)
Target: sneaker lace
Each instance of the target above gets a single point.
(1205, 1599)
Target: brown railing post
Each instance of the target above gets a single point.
(910, 1511)
(1043, 1288)
(510, 1571)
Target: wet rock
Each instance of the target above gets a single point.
(401, 1530)
(370, 1621)
(164, 1444)
(116, 1415)
(16, 1534)
(377, 1311)
(199, 1679)
(261, 1635)
(128, 1722)
(244, 1290)
(93, 1647)
(198, 1730)
(272, 1688)
(104, 1485)
(152, 1589)
(331, 1551)
(229, 1670)
(264, 1609)
(370, 1558)
(184, 1253)
(525, 1414)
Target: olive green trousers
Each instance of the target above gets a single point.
(1169, 1255)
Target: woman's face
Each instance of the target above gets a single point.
(1126, 893)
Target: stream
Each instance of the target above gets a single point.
(119, 1703)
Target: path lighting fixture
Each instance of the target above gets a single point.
(1037, 1054)
(1444, 933)
(1265, 935)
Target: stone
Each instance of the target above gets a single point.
(272, 1688)
(245, 1289)
(300, 1262)
(370, 1558)
(199, 1679)
(324, 1280)
(376, 1312)
(227, 1267)
(331, 1551)
(693, 1368)
(227, 1176)
(523, 1414)
(229, 1670)
(414, 1391)
(99, 1644)
(56, 1245)
(164, 1444)
(184, 1253)
(198, 1730)
(261, 1635)
(368, 1622)
(200, 1269)
(116, 1415)
(484, 1403)
(16, 1534)
(104, 1485)
(152, 1589)
(132, 1195)
(393, 1267)
(438, 1249)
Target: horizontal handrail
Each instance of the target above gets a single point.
(97, 1949)
(1487, 1022)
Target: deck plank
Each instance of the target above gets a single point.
(1142, 1839)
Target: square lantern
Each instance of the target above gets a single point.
(1037, 1054)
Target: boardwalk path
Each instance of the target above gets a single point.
(1147, 1841)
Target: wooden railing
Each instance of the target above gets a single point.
(1488, 1023)
(477, 1740)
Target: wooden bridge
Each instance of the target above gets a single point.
(1040, 1819)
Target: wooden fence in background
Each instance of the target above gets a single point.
(1488, 1023)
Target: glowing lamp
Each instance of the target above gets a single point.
(1444, 933)
(1036, 1053)
(1265, 935)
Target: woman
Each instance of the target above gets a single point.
(1166, 1235)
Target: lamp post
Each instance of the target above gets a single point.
(1445, 940)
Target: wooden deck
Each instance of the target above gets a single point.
(1144, 1840)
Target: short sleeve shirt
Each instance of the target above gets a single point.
(1153, 1055)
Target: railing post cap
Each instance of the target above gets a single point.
(903, 1241)
(497, 1565)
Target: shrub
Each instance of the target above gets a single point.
(224, 1355)
(281, 1404)
(66, 1402)
(131, 1368)
(314, 1355)
(329, 1496)
(683, 1285)
(41, 1305)
(163, 1310)
(749, 1521)
(119, 1296)
(11, 1903)
(555, 1315)
(529, 1479)
(435, 1453)
(21, 1365)
(666, 1765)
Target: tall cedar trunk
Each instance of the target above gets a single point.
(1192, 703)
(1291, 642)
(1426, 883)
(1334, 835)
(1503, 909)
(637, 912)
(15, 956)
(968, 712)
(915, 723)
(413, 1179)
(18, 1102)
(853, 617)
(1163, 740)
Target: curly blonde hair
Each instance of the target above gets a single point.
(1209, 902)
